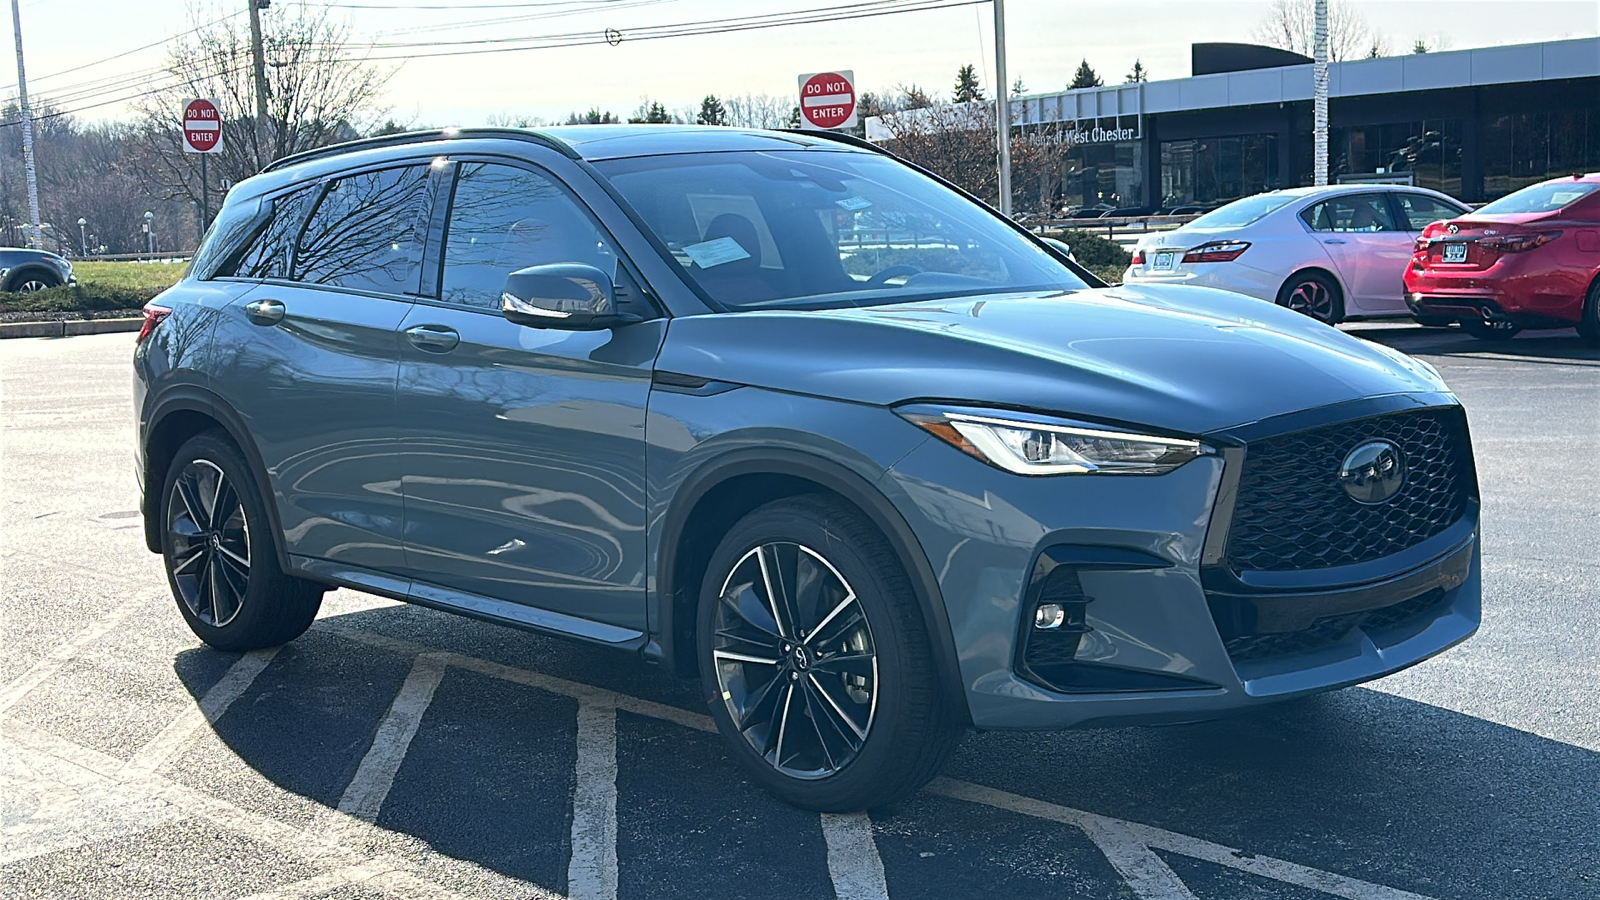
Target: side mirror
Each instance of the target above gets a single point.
(569, 296)
(1064, 248)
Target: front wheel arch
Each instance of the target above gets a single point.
(23, 274)
(701, 505)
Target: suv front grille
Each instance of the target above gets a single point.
(1292, 514)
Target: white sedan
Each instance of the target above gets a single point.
(1333, 253)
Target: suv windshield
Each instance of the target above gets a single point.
(1240, 213)
(1540, 198)
(820, 229)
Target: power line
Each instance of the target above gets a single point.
(168, 40)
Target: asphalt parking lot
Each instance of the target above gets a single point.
(396, 751)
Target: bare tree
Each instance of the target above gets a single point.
(1291, 25)
(319, 91)
(957, 140)
(758, 111)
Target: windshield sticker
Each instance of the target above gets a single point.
(707, 254)
(854, 204)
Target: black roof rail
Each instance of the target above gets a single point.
(842, 138)
(417, 137)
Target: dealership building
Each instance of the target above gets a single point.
(1476, 124)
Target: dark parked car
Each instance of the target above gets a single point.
(25, 271)
(785, 414)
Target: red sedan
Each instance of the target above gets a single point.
(1528, 260)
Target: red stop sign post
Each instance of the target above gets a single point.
(828, 100)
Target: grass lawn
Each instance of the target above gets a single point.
(102, 286)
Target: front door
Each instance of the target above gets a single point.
(1368, 248)
(523, 447)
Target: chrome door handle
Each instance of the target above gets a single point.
(264, 312)
(433, 338)
(1333, 240)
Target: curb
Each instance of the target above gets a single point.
(68, 328)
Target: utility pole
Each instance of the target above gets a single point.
(1319, 97)
(259, 61)
(1002, 105)
(27, 131)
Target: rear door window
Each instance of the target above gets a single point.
(267, 255)
(368, 232)
(1350, 213)
(1420, 210)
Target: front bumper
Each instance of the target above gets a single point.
(1157, 642)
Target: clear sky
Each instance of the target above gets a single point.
(1045, 41)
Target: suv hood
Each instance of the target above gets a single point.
(1183, 359)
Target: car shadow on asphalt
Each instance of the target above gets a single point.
(1558, 346)
(1359, 782)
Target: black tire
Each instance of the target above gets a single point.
(1434, 321)
(224, 571)
(1314, 294)
(29, 280)
(1484, 332)
(1589, 318)
(910, 729)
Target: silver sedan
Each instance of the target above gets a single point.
(1333, 253)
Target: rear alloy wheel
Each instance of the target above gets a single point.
(221, 561)
(1589, 318)
(1485, 331)
(1313, 294)
(816, 660)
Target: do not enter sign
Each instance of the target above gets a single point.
(828, 100)
(202, 127)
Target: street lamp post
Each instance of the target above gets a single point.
(150, 232)
(83, 235)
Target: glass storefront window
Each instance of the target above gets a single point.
(1429, 150)
(1526, 148)
(1103, 174)
(1212, 171)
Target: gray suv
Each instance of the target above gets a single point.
(785, 414)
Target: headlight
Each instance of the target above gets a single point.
(1041, 446)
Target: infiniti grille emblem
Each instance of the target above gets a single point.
(1373, 472)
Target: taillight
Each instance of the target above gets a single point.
(1216, 251)
(1138, 257)
(153, 316)
(1420, 245)
(1517, 243)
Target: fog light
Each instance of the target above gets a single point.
(1048, 616)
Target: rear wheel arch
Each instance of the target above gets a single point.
(723, 491)
(1340, 292)
(178, 416)
(1589, 311)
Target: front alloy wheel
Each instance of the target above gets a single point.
(816, 660)
(210, 540)
(795, 660)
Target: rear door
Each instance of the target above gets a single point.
(1369, 249)
(524, 447)
(309, 358)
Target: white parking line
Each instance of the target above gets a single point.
(42, 670)
(213, 704)
(1148, 875)
(364, 797)
(853, 861)
(1173, 842)
(592, 871)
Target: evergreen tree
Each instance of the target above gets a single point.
(968, 90)
(1421, 46)
(711, 111)
(593, 117)
(1138, 73)
(651, 112)
(1018, 88)
(1085, 77)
